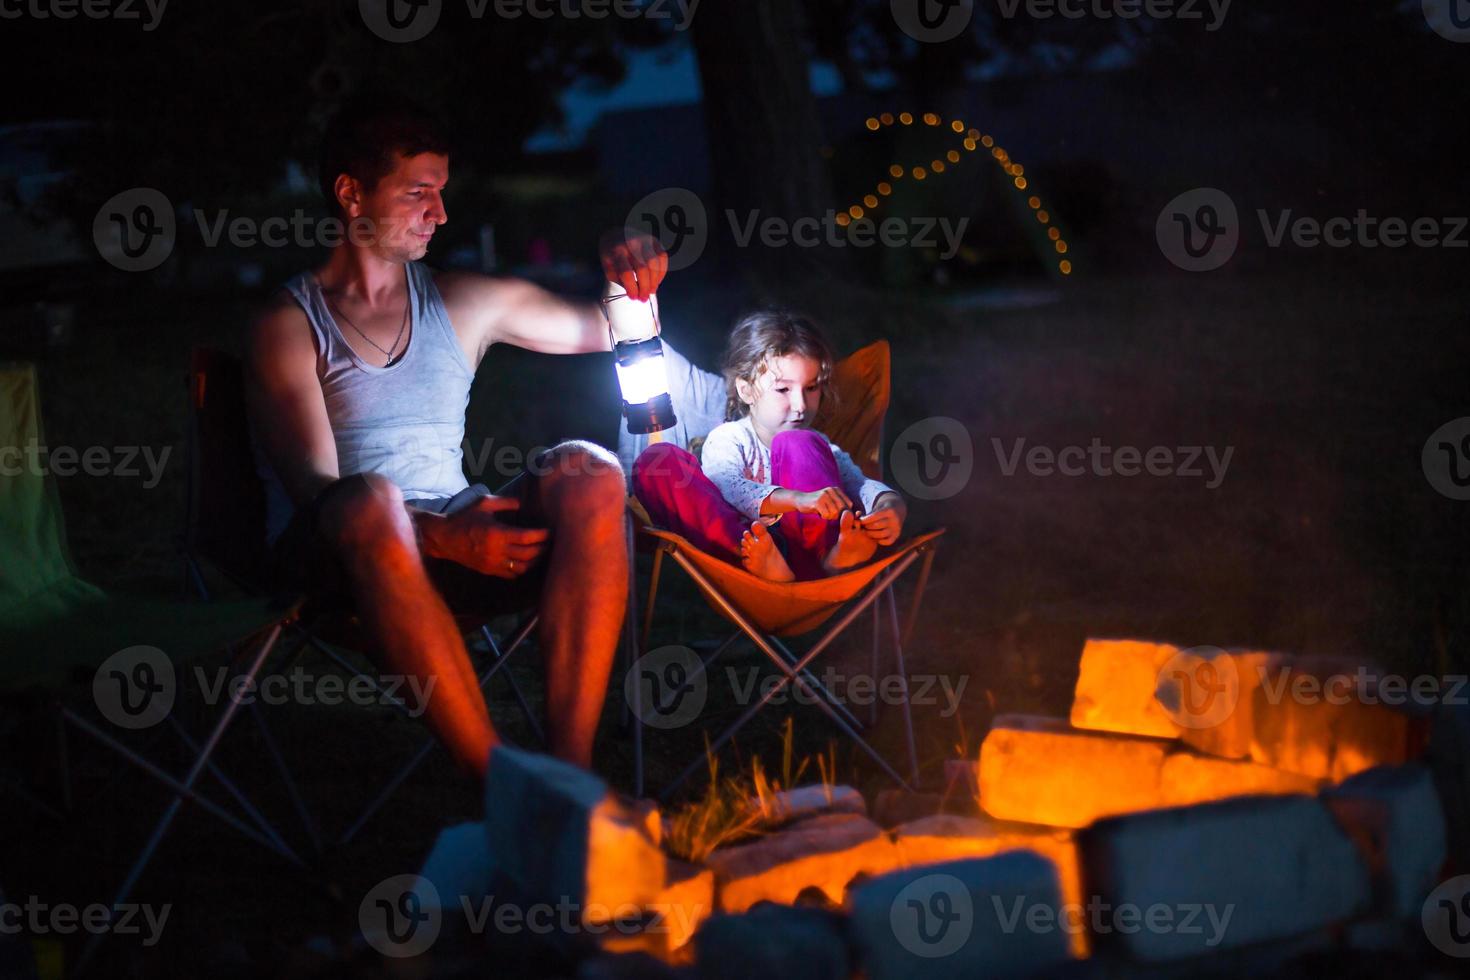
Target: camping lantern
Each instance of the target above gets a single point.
(633, 328)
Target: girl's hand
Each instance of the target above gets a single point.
(829, 503)
(885, 523)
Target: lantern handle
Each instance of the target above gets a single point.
(612, 341)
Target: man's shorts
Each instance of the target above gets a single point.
(303, 561)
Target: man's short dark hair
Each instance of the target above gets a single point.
(367, 136)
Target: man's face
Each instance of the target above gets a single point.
(405, 208)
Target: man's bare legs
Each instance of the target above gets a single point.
(583, 496)
(404, 614)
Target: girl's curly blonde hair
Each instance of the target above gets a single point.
(759, 338)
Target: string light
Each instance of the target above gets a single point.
(972, 140)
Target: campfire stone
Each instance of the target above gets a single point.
(458, 866)
(1393, 815)
(946, 837)
(825, 852)
(1277, 866)
(1039, 770)
(894, 806)
(770, 942)
(1189, 778)
(1115, 688)
(970, 918)
(1206, 728)
(1136, 687)
(1304, 732)
(687, 900)
(559, 833)
(808, 801)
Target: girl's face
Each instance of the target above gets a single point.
(784, 396)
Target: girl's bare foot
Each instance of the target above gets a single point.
(854, 546)
(760, 556)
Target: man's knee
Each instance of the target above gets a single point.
(584, 476)
(363, 513)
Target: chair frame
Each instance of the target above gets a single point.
(795, 669)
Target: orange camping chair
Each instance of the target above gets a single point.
(765, 611)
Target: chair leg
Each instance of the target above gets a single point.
(499, 659)
(898, 664)
(515, 688)
(298, 802)
(251, 811)
(792, 672)
(185, 788)
(873, 708)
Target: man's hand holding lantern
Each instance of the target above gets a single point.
(634, 260)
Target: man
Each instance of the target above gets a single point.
(358, 377)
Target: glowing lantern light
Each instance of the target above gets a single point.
(633, 328)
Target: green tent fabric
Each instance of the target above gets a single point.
(52, 622)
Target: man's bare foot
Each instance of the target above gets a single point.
(760, 556)
(854, 546)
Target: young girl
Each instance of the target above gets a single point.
(765, 470)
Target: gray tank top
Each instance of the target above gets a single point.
(404, 421)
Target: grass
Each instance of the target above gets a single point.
(736, 807)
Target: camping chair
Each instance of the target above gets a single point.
(765, 611)
(225, 530)
(56, 627)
